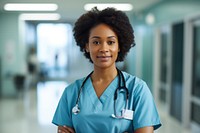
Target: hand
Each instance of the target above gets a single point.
(145, 130)
(65, 129)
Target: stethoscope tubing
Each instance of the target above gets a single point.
(76, 108)
(80, 90)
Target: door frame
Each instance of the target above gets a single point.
(189, 24)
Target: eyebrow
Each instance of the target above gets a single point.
(100, 37)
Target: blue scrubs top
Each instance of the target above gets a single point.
(95, 113)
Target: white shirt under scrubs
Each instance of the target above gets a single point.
(95, 114)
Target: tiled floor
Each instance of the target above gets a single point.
(33, 112)
(169, 124)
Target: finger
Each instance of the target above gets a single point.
(62, 130)
(65, 129)
(69, 129)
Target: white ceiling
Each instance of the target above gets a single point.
(70, 10)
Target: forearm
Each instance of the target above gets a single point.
(65, 129)
(144, 130)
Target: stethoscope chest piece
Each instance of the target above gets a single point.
(75, 109)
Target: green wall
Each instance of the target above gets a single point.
(9, 44)
(139, 61)
(165, 12)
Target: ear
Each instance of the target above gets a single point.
(87, 48)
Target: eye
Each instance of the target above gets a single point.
(96, 42)
(111, 42)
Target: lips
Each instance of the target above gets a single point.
(104, 58)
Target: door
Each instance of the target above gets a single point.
(177, 71)
(165, 65)
(195, 105)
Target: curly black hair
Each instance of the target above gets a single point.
(116, 19)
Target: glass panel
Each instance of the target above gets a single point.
(163, 69)
(195, 113)
(196, 63)
(162, 95)
(177, 70)
(163, 63)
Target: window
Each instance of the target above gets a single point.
(53, 42)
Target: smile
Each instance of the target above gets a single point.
(104, 57)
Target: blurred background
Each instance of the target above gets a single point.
(39, 58)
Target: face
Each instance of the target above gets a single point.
(103, 46)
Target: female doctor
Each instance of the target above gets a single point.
(107, 100)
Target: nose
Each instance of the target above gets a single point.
(104, 47)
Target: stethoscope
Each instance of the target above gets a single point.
(76, 109)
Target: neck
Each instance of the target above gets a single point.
(104, 74)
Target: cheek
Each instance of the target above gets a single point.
(93, 53)
(116, 49)
(93, 50)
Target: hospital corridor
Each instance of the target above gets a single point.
(33, 113)
(39, 58)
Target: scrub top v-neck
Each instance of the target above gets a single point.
(95, 113)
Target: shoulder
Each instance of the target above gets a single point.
(135, 84)
(73, 87)
(131, 79)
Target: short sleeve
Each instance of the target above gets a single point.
(145, 112)
(62, 113)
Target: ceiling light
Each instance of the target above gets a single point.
(39, 16)
(30, 7)
(150, 19)
(101, 6)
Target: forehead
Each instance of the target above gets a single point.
(102, 30)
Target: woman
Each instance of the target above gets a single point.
(107, 100)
